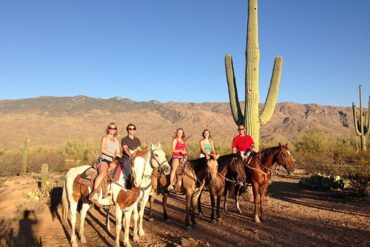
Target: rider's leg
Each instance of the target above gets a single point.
(175, 164)
(102, 169)
(127, 170)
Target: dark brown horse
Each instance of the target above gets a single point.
(195, 175)
(258, 172)
(230, 171)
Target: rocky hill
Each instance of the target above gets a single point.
(54, 120)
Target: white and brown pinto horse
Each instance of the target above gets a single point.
(124, 200)
(144, 163)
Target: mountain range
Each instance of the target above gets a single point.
(50, 120)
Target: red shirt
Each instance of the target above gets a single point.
(242, 143)
(179, 146)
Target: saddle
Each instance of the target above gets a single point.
(88, 177)
(179, 175)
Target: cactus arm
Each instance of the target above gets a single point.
(233, 92)
(272, 95)
(355, 118)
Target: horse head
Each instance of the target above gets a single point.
(286, 159)
(237, 167)
(212, 165)
(158, 159)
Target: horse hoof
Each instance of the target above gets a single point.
(200, 214)
(165, 218)
(257, 219)
(187, 228)
(219, 219)
(213, 221)
(141, 233)
(194, 225)
(83, 240)
(151, 219)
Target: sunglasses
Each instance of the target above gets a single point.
(241, 129)
(131, 128)
(110, 128)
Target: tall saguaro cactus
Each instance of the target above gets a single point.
(251, 119)
(361, 120)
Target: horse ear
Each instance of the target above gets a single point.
(279, 145)
(286, 145)
(152, 146)
(159, 145)
(216, 156)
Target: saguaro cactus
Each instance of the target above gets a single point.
(44, 175)
(361, 120)
(25, 156)
(251, 119)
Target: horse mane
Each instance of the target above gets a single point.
(198, 164)
(224, 160)
(265, 153)
(139, 153)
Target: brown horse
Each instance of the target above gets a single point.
(258, 172)
(195, 175)
(230, 171)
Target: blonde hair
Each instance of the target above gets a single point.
(107, 129)
(177, 131)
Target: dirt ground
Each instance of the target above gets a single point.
(294, 216)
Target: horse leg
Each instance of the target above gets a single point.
(212, 196)
(200, 213)
(151, 201)
(141, 215)
(73, 208)
(255, 197)
(236, 193)
(187, 210)
(225, 197)
(262, 197)
(118, 223)
(84, 209)
(164, 199)
(218, 212)
(192, 210)
(126, 240)
(107, 220)
(135, 237)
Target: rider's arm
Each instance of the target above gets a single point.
(212, 147)
(103, 145)
(201, 147)
(118, 150)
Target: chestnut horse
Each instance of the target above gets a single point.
(195, 175)
(258, 172)
(230, 171)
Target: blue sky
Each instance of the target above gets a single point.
(174, 50)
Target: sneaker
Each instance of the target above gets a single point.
(170, 188)
(93, 196)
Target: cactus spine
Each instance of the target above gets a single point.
(361, 120)
(44, 175)
(25, 156)
(251, 119)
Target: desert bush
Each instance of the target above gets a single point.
(77, 152)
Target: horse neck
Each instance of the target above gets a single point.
(268, 156)
(147, 166)
(201, 170)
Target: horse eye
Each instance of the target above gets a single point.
(156, 155)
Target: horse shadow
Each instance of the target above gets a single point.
(336, 201)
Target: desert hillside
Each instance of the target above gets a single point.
(54, 120)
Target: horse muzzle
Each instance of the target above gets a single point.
(166, 169)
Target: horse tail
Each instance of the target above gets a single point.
(65, 204)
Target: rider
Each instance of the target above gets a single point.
(109, 148)
(207, 147)
(178, 152)
(243, 143)
(130, 144)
